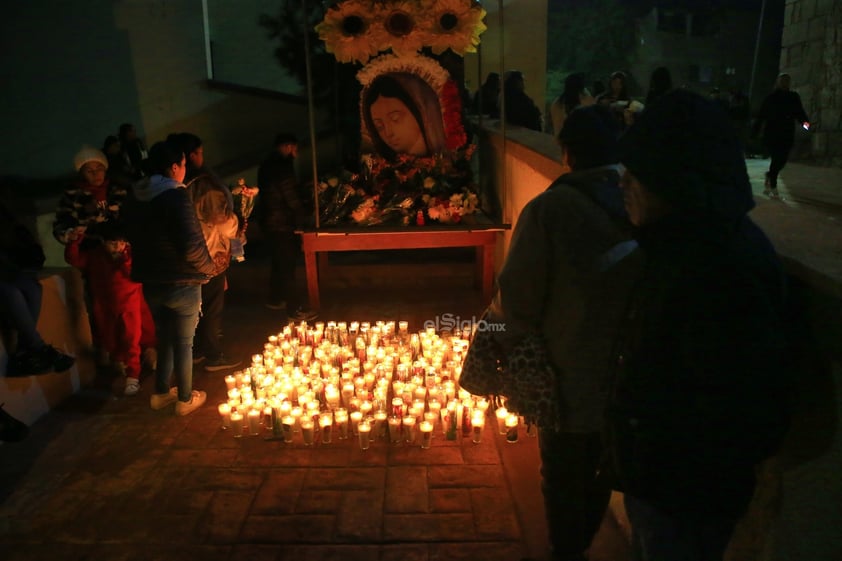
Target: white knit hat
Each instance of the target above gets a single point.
(89, 154)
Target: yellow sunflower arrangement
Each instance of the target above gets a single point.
(346, 31)
(456, 25)
(356, 30)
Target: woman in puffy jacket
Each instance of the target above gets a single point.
(171, 260)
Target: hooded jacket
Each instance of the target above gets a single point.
(701, 380)
(167, 242)
(568, 275)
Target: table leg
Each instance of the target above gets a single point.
(487, 263)
(312, 272)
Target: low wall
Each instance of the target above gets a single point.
(63, 323)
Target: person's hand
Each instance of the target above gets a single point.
(76, 233)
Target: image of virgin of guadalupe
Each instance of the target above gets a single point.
(401, 115)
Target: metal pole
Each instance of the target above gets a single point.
(756, 50)
(504, 192)
(310, 109)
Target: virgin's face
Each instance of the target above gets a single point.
(397, 126)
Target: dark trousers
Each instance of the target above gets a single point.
(20, 304)
(285, 250)
(779, 155)
(209, 330)
(575, 499)
(658, 536)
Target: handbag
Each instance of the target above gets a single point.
(525, 376)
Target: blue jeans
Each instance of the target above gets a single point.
(659, 536)
(175, 309)
(20, 303)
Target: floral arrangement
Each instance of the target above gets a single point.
(413, 190)
(356, 30)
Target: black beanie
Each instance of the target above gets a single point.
(684, 149)
(589, 135)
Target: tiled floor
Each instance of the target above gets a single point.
(105, 477)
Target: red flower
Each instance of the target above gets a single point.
(455, 136)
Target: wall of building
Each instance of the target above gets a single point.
(75, 72)
(812, 54)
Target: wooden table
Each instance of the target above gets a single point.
(483, 237)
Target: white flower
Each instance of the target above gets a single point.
(429, 182)
(333, 181)
(422, 66)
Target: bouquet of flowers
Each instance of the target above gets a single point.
(244, 199)
(404, 191)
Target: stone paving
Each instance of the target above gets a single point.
(105, 477)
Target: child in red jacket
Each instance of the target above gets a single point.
(117, 301)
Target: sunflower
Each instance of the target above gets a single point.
(455, 25)
(346, 31)
(401, 28)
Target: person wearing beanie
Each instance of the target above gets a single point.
(699, 398)
(92, 199)
(566, 279)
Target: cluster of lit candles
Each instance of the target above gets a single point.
(367, 381)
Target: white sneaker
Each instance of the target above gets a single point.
(132, 386)
(161, 400)
(197, 399)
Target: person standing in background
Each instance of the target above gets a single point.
(280, 211)
(778, 114)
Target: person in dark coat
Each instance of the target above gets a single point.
(485, 99)
(280, 212)
(700, 391)
(777, 117)
(568, 275)
(171, 259)
(519, 108)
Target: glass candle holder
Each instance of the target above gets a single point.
(512, 423)
(409, 429)
(501, 413)
(341, 421)
(236, 424)
(426, 428)
(230, 382)
(364, 434)
(379, 428)
(254, 421)
(326, 427)
(308, 430)
(394, 429)
(287, 425)
(477, 426)
(355, 417)
(225, 413)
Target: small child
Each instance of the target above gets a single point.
(117, 301)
